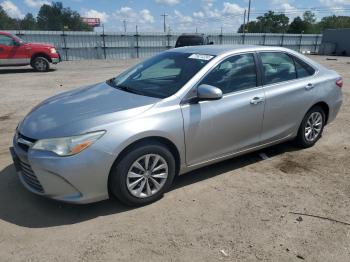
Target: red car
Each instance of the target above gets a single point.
(15, 52)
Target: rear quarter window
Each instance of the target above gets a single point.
(277, 67)
(302, 68)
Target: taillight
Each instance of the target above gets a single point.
(339, 82)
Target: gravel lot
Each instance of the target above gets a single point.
(238, 210)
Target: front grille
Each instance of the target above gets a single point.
(24, 146)
(30, 178)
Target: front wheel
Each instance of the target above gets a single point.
(311, 128)
(143, 174)
(40, 64)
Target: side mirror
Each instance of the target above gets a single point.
(208, 92)
(15, 43)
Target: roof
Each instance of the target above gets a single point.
(223, 49)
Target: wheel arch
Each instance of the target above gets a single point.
(40, 54)
(150, 139)
(325, 108)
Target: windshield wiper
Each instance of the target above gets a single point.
(124, 88)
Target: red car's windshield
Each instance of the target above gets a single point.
(18, 39)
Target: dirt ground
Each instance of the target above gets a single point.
(238, 210)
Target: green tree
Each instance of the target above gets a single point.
(6, 22)
(306, 25)
(297, 26)
(270, 22)
(28, 22)
(333, 21)
(309, 17)
(57, 17)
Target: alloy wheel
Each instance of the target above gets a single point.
(313, 126)
(147, 175)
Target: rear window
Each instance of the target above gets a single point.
(189, 41)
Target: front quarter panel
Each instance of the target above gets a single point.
(163, 120)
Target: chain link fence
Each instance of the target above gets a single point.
(95, 45)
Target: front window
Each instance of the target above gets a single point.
(162, 75)
(234, 74)
(19, 40)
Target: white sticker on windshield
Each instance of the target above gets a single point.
(201, 57)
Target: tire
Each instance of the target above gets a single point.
(314, 121)
(40, 64)
(126, 181)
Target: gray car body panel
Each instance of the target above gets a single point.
(203, 133)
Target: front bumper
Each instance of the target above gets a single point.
(80, 179)
(56, 60)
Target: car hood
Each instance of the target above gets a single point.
(39, 45)
(83, 110)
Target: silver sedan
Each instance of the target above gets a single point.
(177, 111)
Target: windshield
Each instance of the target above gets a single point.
(18, 39)
(161, 76)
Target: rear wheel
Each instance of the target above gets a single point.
(40, 64)
(311, 128)
(143, 174)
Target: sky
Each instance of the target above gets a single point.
(182, 15)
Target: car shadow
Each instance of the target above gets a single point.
(4, 71)
(20, 207)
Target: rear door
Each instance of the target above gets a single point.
(289, 90)
(215, 129)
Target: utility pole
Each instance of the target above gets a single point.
(245, 13)
(104, 41)
(164, 24)
(248, 15)
(124, 23)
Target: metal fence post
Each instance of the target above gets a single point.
(264, 42)
(137, 43)
(316, 44)
(282, 39)
(301, 39)
(104, 42)
(168, 41)
(65, 45)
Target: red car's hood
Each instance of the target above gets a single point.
(39, 45)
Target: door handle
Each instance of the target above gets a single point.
(309, 86)
(257, 100)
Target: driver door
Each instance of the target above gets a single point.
(215, 129)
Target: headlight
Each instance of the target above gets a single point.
(53, 50)
(67, 146)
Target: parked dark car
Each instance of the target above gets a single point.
(192, 40)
